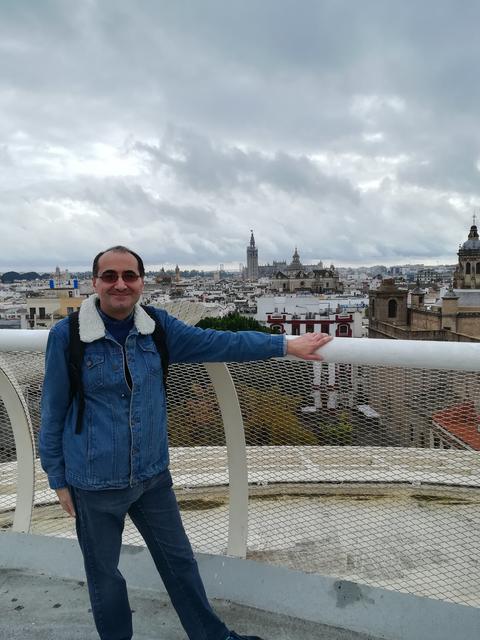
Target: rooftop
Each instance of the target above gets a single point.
(43, 596)
(41, 607)
(461, 421)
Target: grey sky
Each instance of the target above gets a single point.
(349, 129)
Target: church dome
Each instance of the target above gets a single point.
(473, 242)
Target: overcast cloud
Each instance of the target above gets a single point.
(348, 129)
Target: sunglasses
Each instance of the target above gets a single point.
(112, 276)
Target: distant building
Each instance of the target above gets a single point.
(454, 316)
(296, 315)
(269, 270)
(163, 278)
(467, 273)
(297, 278)
(252, 259)
(46, 307)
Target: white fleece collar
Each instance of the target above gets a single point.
(91, 323)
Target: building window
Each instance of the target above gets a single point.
(467, 268)
(343, 329)
(32, 312)
(41, 313)
(325, 328)
(309, 327)
(372, 308)
(392, 308)
(295, 330)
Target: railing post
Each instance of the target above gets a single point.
(18, 415)
(237, 457)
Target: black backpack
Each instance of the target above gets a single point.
(77, 350)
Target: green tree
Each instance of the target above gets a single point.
(232, 322)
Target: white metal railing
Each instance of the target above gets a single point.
(320, 464)
(461, 356)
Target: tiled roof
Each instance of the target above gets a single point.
(462, 421)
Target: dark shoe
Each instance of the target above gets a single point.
(235, 636)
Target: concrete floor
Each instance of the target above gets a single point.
(41, 607)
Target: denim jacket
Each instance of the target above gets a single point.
(124, 436)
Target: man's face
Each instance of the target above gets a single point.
(117, 299)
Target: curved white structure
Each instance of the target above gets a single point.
(17, 410)
(237, 458)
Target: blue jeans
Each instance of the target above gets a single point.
(153, 508)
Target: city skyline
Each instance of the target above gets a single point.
(233, 266)
(346, 129)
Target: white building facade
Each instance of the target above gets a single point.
(295, 315)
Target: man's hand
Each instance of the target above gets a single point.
(305, 346)
(66, 501)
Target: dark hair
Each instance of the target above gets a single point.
(118, 249)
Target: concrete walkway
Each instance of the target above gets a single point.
(40, 607)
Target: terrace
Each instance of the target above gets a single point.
(325, 500)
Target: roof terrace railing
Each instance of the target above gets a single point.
(365, 466)
(402, 353)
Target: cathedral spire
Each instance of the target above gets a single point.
(252, 259)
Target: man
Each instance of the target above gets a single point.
(117, 462)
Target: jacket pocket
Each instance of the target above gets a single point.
(151, 358)
(93, 371)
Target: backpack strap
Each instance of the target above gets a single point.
(75, 359)
(160, 339)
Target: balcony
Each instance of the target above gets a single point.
(343, 493)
